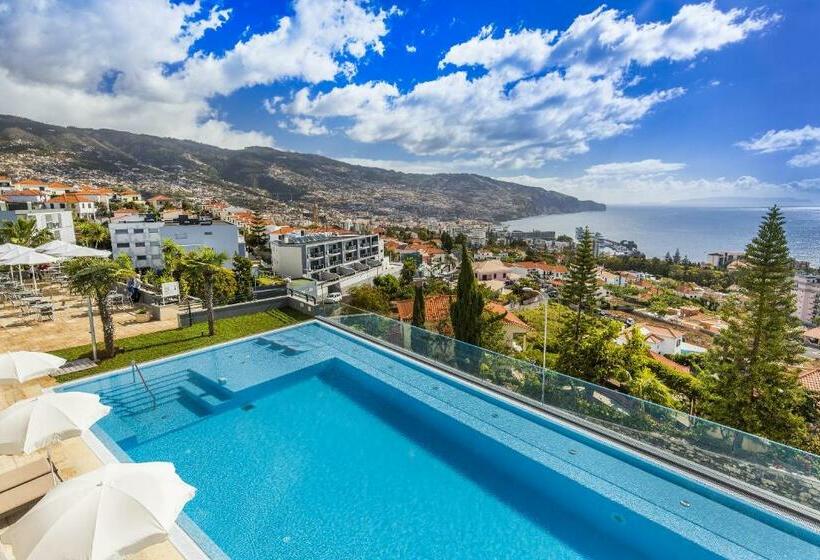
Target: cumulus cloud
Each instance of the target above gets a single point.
(520, 98)
(806, 140)
(132, 64)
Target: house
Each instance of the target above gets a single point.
(543, 270)
(32, 184)
(661, 339)
(124, 196)
(608, 278)
(100, 195)
(56, 188)
(493, 269)
(82, 206)
(25, 195)
(515, 330)
(158, 201)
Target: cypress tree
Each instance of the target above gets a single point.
(419, 315)
(579, 290)
(752, 362)
(465, 312)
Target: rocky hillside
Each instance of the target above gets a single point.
(251, 175)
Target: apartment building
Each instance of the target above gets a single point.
(141, 238)
(807, 294)
(138, 237)
(325, 256)
(59, 222)
(194, 233)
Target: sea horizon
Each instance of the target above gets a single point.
(693, 230)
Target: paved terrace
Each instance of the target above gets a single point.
(72, 458)
(70, 325)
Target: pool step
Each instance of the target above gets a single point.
(204, 393)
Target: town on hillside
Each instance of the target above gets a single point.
(677, 306)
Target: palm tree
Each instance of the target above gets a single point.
(92, 234)
(24, 231)
(96, 277)
(204, 264)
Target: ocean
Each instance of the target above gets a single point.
(694, 231)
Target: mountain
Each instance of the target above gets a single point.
(251, 176)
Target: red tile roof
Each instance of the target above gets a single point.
(811, 379)
(436, 308)
(510, 317)
(663, 360)
(70, 198)
(553, 268)
(24, 192)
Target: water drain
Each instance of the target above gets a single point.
(247, 407)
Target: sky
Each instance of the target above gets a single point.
(628, 102)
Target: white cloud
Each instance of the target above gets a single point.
(643, 167)
(806, 138)
(410, 48)
(306, 127)
(130, 64)
(666, 188)
(538, 95)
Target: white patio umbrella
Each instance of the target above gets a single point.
(6, 247)
(63, 249)
(113, 511)
(19, 367)
(34, 423)
(51, 245)
(30, 259)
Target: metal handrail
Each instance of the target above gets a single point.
(135, 369)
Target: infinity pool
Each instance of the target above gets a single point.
(311, 443)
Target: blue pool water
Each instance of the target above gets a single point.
(309, 443)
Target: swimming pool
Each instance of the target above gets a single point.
(309, 442)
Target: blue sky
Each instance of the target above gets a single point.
(634, 101)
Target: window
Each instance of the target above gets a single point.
(123, 245)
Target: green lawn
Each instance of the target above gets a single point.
(145, 347)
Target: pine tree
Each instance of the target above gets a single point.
(579, 290)
(756, 388)
(419, 314)
(465, 312)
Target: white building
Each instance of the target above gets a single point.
(59, 222)
(325, 257)
(192, 234)
(807, 294)
(82, 206)
(141, 238)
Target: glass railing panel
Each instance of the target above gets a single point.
(788, 472)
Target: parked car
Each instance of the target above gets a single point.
(333, 297)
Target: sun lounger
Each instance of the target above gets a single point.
(25, 485)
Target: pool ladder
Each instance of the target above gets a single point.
(135, 369)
